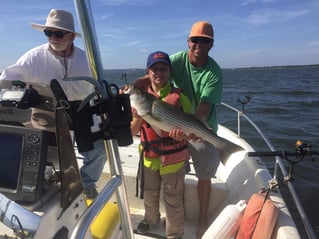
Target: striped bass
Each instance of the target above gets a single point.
(163, 116)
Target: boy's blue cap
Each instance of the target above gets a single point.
(158, 56)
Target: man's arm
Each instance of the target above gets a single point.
(202, 111)
(142, 82)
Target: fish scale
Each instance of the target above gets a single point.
(163, 116)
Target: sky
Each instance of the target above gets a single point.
(248, 33)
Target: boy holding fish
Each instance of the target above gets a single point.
(164, 154)
(201, 79)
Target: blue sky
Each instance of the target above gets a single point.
(247, 32)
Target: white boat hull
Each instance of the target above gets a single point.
(237, 180)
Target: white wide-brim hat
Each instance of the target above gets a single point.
(59, 19)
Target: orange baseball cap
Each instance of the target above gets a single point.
(202, 29)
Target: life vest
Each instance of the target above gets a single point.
(168, 149)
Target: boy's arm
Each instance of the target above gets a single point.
(202, 111)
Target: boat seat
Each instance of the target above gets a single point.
(218, 194)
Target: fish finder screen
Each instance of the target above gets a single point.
(10, 158)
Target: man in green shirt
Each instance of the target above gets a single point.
(201, 79)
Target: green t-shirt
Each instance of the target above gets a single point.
(199, 84)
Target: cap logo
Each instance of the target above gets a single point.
(159, 56)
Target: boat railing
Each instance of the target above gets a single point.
(88, 216)
(116, 186)
(279, 165)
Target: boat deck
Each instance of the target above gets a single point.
(129, 159)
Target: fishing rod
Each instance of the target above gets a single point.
(302, 150)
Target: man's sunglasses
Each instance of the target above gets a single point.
(202, 40)
(57, 34)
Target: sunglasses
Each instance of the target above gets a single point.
(57, 34)
(201, 40)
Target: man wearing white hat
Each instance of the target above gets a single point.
(58, 59)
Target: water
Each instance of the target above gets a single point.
(284, 104)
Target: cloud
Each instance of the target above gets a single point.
(269, 15)
(313, 43)
(144, 50)
(247, 2)
(133, 43)
(126, 2)
(107, 16)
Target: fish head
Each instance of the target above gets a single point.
(140, 100)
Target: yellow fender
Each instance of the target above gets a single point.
(105, 223)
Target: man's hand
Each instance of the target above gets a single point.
(193, 137)
(134, 113)
(142, 82)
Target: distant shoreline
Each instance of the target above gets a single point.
(228, 68)
(274, 67)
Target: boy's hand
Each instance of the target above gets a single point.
(177, 134)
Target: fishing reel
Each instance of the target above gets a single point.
(303, 149)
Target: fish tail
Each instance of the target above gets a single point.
(229, 150)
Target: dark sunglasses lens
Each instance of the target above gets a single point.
(202, 40)
(48, 33)
(57, 34)
(194, 40)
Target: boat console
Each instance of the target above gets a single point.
(40, 180)
(23, 153)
